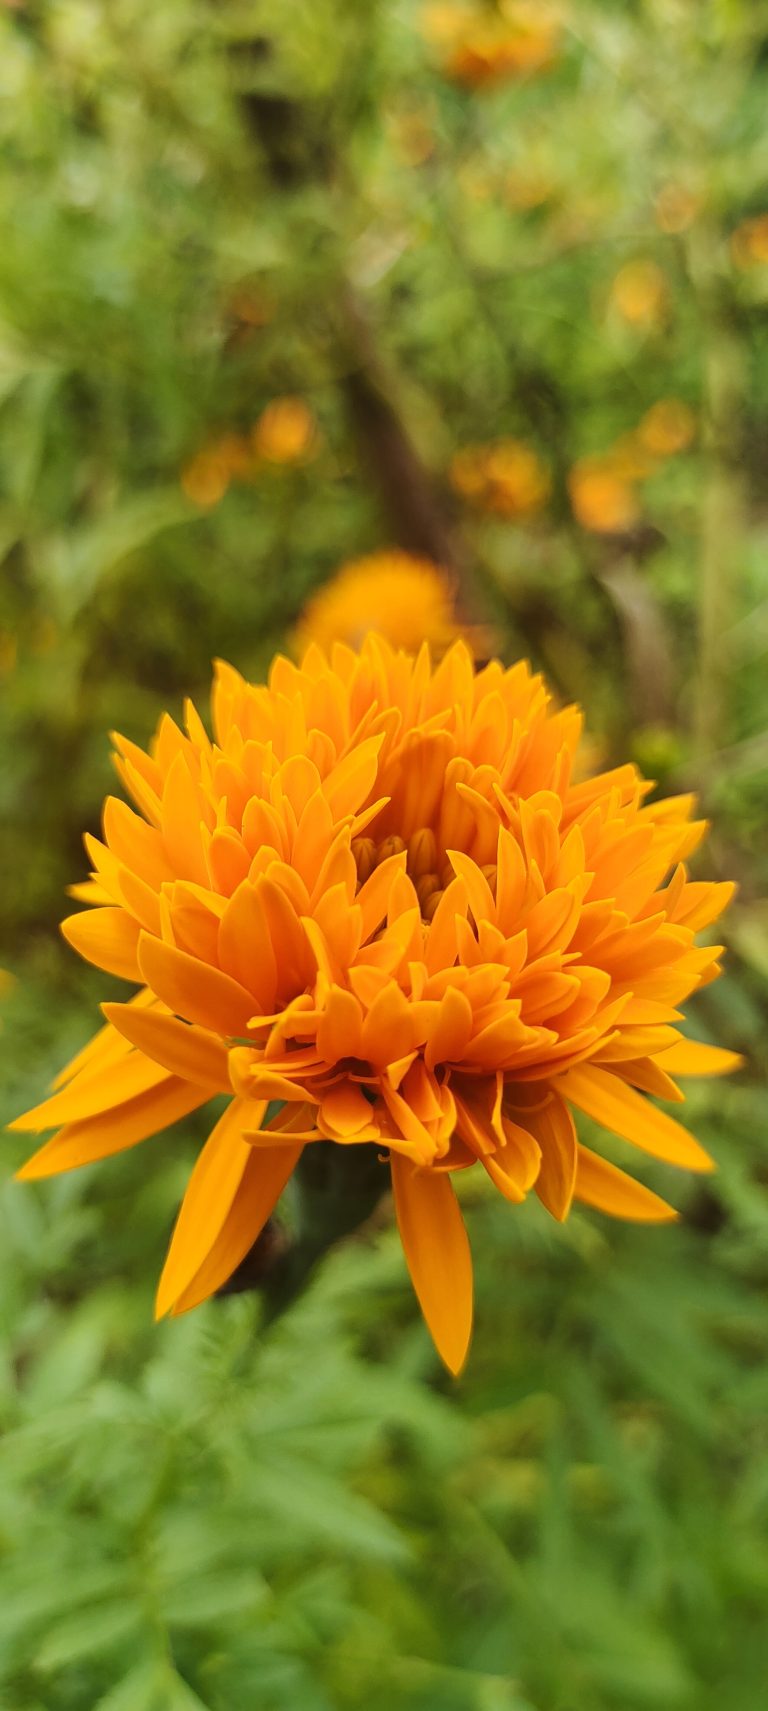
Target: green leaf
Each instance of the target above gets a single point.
(96, 1630)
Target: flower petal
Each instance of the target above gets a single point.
(619, 1108)
(692, 1057)
(194, 989)
(183, 1049)
(210, 1192)
(553, 1127)
(99, 1137)
(437, 1254)
(93, 1092)
(601, 1184)
(106, 937)
(262, 1182)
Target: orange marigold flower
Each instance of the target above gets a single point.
(506, 477)
(602, 495)
(205, 479)
(407, 600)
(667, 428)
(478, 47)
(377, 897)
(286, 432)
(749, 243)
(639, 294)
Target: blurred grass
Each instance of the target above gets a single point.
(206, 208)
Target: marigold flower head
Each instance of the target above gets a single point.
(207, 477)
(667, 428)
(639, 294)
(407, 600)
(602, 494)
(376, 897)
(478, 47)
(506, 476)
(749, 243)
(286, 432)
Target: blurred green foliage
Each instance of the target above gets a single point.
(206, 207)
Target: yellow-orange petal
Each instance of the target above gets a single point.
(619, 1108)
(208, 1198)
(193, 989)
(92, 1093)
(553, 1127)
(107, 937)
(99, 1137)
(437, 1254)
(514, 1167)
(345, 1112)
(245, 947)
(692, 1057)
(260, 1187)
(193, 1053)
(603, 1185)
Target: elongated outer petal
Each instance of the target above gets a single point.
(553, 1127)
(601, 1184)
(195, 990)
(210, 1193)
(619, 1108)
(437, 1254)
(106, 937)
(105, 1047)
(261, 1184)
(183, 1049)
(98, 1137)
(691, 1057)
(94, 1092)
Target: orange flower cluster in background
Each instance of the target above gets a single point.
(506, 476)
(377, 899)
(407, 600)
(285, 433)
(478, 45)
(603, 488)
(667, 428)
(749, 243)
(603, 497)
(639, 295)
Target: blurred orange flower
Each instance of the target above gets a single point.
(478, 47)
(506, 476)
(749, 243)
(407, 600)
(286, 432)
(602, 487)
(525, 188)
(668, 427)
(602, 498)
(639, 294)
(206, 478)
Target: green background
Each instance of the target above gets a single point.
(314, 1516)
